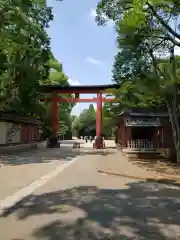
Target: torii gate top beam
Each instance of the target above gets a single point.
(79, 88)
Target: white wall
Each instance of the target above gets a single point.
(3, 132)
(13, 133)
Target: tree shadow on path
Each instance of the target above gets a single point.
(140, 211)
(47, 155)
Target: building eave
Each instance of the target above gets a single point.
(9, 117)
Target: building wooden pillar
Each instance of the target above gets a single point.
(127, 135)
(99, 115)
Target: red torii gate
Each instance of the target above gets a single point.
(57, 89)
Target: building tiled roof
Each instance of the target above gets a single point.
(13, 117)
(145, 112)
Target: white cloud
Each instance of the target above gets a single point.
(93, 61)
(73, 82)
(93, 15)
(177, 51)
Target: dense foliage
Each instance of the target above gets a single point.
(24, 46)
(146, 66)
(57, 77)
(85, 124)
(26, 62)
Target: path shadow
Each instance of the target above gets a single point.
(161, 180)
(44, 155)
(140, 211)
(39, 156)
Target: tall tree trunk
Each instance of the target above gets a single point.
(174, 120)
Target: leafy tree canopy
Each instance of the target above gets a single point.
(85, 124)
(27, 61)
(146, 65)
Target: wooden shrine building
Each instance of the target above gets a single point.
(16, 130)
(143, 130)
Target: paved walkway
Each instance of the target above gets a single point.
(119, 165)
(108, 143)
(20, 170)
(81, 204)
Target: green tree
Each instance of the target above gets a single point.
(57, 77)
(24, 46)
(85, 124)
(107, 122)
(87, 121)
(135, 14)
(144, 31)
(27, 62)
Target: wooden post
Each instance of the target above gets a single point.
(99, 115)
(54, 116)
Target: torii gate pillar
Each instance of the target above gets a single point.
(53, 141)
(99, 115)
(54, 116)
(99, 143)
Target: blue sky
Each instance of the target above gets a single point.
(85, 50)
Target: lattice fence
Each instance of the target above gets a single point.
(141, 144)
